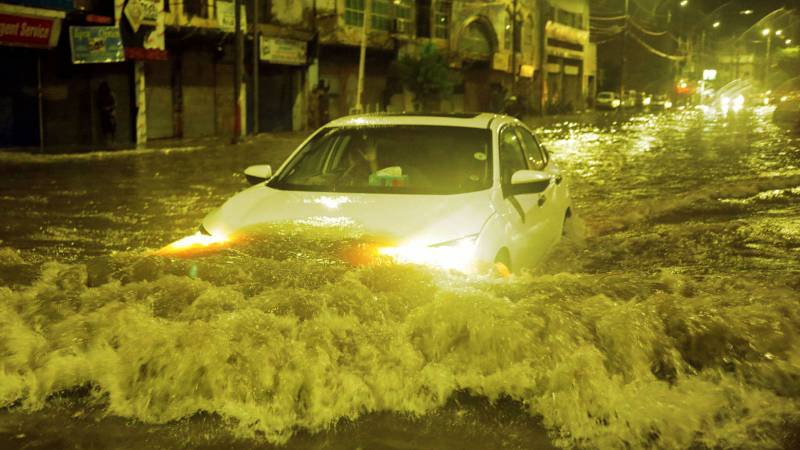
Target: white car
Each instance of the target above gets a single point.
(607, 100)
(464, 192)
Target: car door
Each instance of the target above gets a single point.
(552, 201)
(521, 211)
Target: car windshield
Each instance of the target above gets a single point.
(606, 95)
(392, 159)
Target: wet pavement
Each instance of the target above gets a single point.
(674, 323)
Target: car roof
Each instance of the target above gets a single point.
(467, 120)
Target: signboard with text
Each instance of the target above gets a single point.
(24, 31)
(61, 5)
(226, 16)
(96, 45)
(283, 51)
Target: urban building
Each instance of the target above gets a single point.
(168, 65)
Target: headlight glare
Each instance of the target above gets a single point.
(458, 254)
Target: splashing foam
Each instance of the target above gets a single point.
(284, 336)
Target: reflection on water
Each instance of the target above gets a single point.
(674, 324)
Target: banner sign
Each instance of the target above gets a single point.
(142, 12)
(226, 16)
(283, 51)
(62, 5)
(29, 31)
(96, 45)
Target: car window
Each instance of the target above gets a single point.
(534, 153)
(392, 159)
(512, 156)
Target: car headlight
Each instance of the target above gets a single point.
(201, 240)
(458, 254)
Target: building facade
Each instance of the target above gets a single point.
(169, 64)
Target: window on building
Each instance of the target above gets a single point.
(386, 15)
(570, 19)
(527, 36)
(403, 17)
(441, 19)
(423, 18)
(196, 8)
(166, 5)
(354, 12)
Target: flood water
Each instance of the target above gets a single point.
(674, 322)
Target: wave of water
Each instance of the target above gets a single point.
(285, 335)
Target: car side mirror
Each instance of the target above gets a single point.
(258, 173)
(527, 182)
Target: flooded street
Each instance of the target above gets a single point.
(673, 323)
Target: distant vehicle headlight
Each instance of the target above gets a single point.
(458, 254)
(647, 101)
(738, 102)
(667, 104)
(615, 102)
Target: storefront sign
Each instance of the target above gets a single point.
(226, 17)
(96, 45)
(283, 51)
(63, 5)
(501, 61)
(28, 31)
(526, 71)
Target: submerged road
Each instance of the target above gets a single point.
(674, 322)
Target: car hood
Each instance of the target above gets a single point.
(423, 219)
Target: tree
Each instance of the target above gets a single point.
(426, 76)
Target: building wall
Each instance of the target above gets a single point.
(158, 79)
(198, 84)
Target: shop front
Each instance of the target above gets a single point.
(27, 38)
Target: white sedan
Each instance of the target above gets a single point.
(459, 191)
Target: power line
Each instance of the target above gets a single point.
(656, 51)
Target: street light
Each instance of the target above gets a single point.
(765, 31)
(684, 3)
(788, 42)
(779, 33)
(716, 24)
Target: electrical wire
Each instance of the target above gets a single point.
(653, 33)
(608, 18)
(656, 51)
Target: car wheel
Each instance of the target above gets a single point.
(502, 263)
(573, 228)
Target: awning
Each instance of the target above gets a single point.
(22, 26)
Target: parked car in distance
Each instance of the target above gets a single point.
(787, 110)
(607, 100)
(458, 191)
(661, 102)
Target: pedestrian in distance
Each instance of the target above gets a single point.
(107, 105)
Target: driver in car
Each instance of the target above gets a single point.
(362, 161)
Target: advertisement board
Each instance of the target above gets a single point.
(283, 51)
(39, 32)
(96, 45)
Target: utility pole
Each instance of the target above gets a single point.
(624, 56)
(769, 50)
(542, 55)
(514, 49)
(238, 70)
(362, 57)
(256, 65)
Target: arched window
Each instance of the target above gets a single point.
(477, 41)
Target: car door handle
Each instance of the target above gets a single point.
(542, 199)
